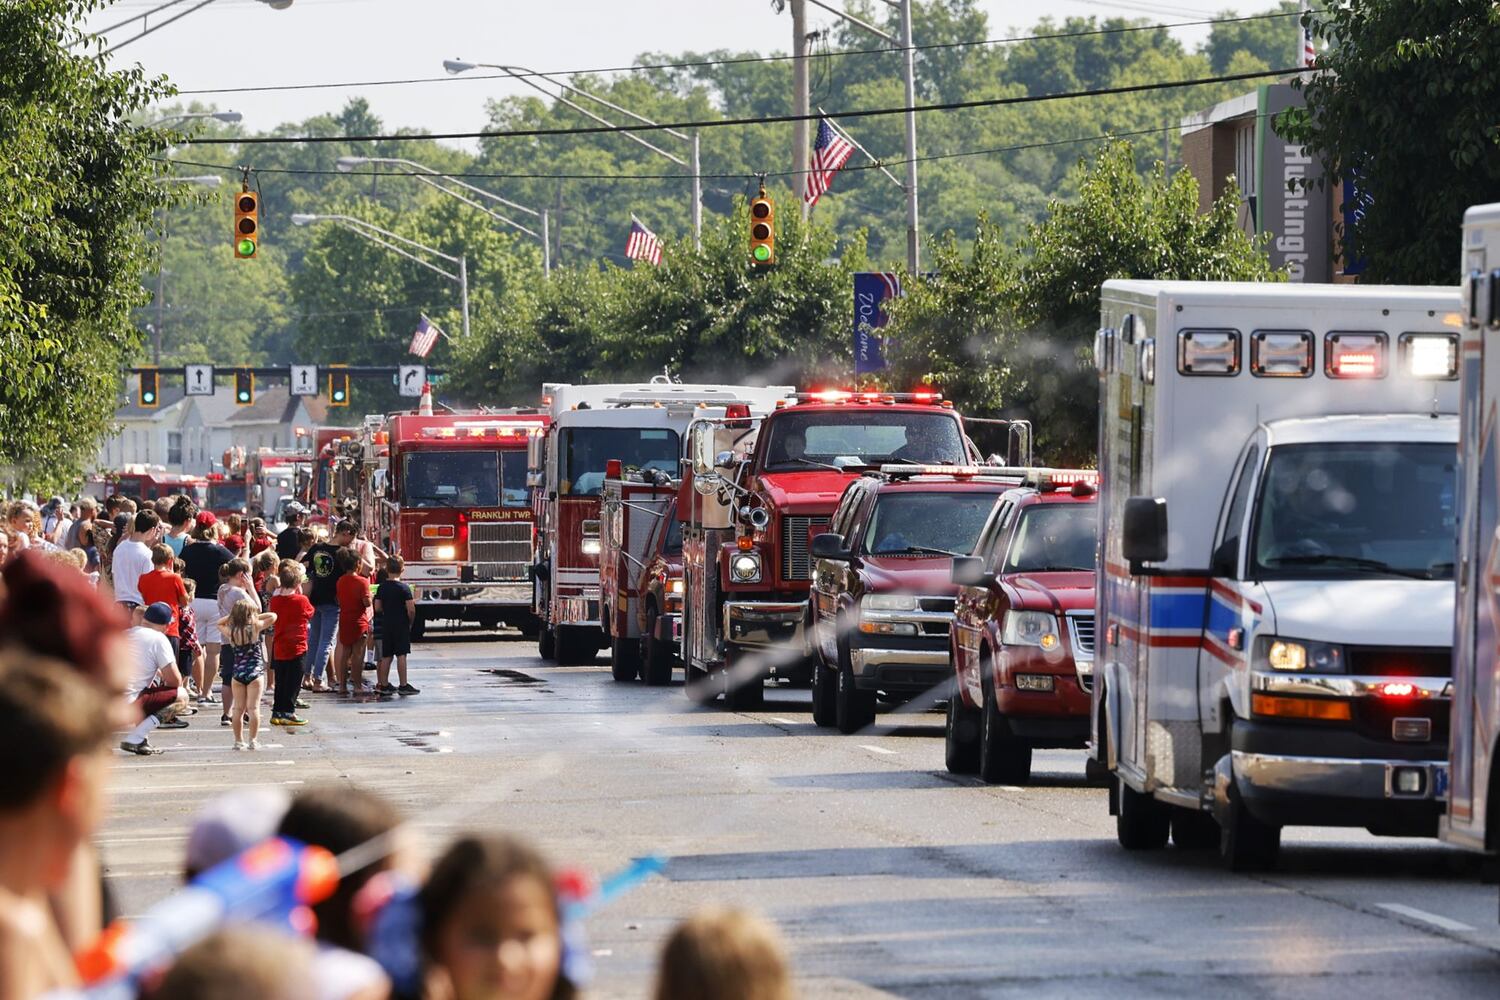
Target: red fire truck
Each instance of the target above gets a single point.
(152, 482)
(640, 425)
(753, 499)
(326, 493)
(634, 508)
(448, 494)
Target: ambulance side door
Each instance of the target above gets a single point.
(1234, 607)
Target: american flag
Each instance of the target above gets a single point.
(1309, 53)
(829, 155)
(642, 243)
(425, 338)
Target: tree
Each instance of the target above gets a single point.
(1273, 41)
(1010, 331)
(76, 203)
(1404, 105)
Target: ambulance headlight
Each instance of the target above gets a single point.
(1293, 655)
(744, 567)
(1430, 355)
(1031, 628)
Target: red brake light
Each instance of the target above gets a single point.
(613, 469)
(1395, 689)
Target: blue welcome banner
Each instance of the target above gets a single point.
(871, 290)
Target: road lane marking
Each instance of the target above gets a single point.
(180, 788)
(1434, 919)
(229, 763)
(784, 722)
(874, 749)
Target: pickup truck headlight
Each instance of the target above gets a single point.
(1031, 628)
(889, 602)
(744, 567)
(1274, 652)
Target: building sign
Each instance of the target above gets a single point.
(1292, 208)
(871, 290)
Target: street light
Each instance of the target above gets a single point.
(147, 27)
(229, 117)
(348, 163)
(526, 76)
(374, 234)
(201, 180)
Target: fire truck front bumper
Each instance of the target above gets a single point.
(764, 624)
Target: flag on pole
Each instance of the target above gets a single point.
(425, 338)
(830, 153)
(1309, 53)
(642, 244)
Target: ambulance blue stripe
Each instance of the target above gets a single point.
(1177, 610)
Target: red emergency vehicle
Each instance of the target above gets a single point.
(635, 507)
(152, 482)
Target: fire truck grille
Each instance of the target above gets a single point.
(500, 551)
(796, 548)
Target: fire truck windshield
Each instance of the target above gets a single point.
(927, 523)
(1356, 509)
(452, 479)
(861, 436)
(1053, 538)
(586, 450)
(226, 495)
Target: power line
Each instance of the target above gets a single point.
(738, 60)
(993, 102)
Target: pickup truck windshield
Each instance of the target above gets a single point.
(1053, 538)
(1356, 509)
(927, 523)
(861, 436)
(452, 479)
(586, 451)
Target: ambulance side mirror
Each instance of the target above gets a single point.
(1145, 532)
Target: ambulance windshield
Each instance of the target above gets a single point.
(861, 436)
(1356, 509)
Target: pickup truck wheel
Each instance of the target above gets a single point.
(1245, 843)
(1003, 759)
(961, 737)
(1141, 823)
(656, 655)
(1194, 830)
(824, 694)
(546, 642)
(853, 709)
(624, 658)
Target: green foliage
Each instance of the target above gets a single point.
(76, 197)
(1273, 42)
(1405, 104)
(1009, 332)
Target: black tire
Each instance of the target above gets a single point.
(961, 737)
(824, 695)
(1245, 843)
(656, 655)
(741, 693)
(624, 658)
(1003, 759)
(575, 647)
(418, 625)
(1142, 823)
(1194, 830)
(546, 643)
(697, 685)
(530, 626)
(1096, 772)
(854, 709)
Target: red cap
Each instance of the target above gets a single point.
(206, 519)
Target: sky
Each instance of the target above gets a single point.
(337, 41)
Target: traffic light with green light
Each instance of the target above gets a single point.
(246, 223)
(149, 394)
(762, 229)
(338, 386)
(244, 387)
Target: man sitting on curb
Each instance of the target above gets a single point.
(156, 687)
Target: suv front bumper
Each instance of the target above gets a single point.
(910, 671)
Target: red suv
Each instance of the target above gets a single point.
(1022, 646)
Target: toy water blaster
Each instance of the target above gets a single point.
(276, 881)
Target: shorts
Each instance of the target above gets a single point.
(153, 699)
(207, 612)
(351, 633)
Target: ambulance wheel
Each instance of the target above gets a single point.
(1194, 830)
(824, 696)
(697, 685)
(1096, 772)
(1141, 823)
(1245, 843)
(624, 658)
(656, 655)
(546, 642)
(961, 737)
(1003, 759)
(853, 709)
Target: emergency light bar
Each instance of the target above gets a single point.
(867, 396)
(908, 470)
(1355, 355)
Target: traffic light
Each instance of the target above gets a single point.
(246, 223)
(244, 387)
(762, 229)
(338, 386)
(149, 394)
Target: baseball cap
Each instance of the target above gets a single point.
(159, 613)
(234, 821)
(295, 508)
(206, 519)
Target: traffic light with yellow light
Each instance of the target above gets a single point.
(149, 394)
(762, 229)
(244, 387)
(338, 386)
(246, 223)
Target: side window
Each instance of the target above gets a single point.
(992, 546)
(859, 514)
(1226, 553)
(845, 511)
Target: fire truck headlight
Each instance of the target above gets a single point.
(745, 567)
(675, 587)
(1277, 653)
(591, 546)
(1031, 628)
(439, 552)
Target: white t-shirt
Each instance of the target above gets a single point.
(150, 652)
(132, 560)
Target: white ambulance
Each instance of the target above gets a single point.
(1275, 590)
(1473, 794)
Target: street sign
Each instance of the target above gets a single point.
(304, 380)
(411, 378)
(198, 379)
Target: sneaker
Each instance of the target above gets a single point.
(255, 743)
(239, 744)
(142, 748)
(408, 689)
(223, 720)
(187, 711)
(277, 720)
(293, 720)
(302, 703)
(174, 724)
(385, 689)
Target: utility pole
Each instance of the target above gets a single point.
(913, 240)
(802, 98)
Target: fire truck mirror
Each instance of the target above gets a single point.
(1145, 531)
(701, 442)
(378, 483)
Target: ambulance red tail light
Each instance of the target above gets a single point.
(613, 469)
(1355, 355)
(1430, 355)
(1281, 353)
(1208, 352)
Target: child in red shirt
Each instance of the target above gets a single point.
(289, 646)
(161, 584)
(353, 594)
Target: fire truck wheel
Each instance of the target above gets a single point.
(1142, 823)
(1245, 843)
(697, 685)
(1194, 830)
(656, 655)
(961, 737)
(418, 625)
(575, 648)
(530, 626)
(1003, 759)
(742, 693)
(624, 658)
(854, 709)
(546, 642)
(824, 694)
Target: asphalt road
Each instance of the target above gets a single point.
(888, 876)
